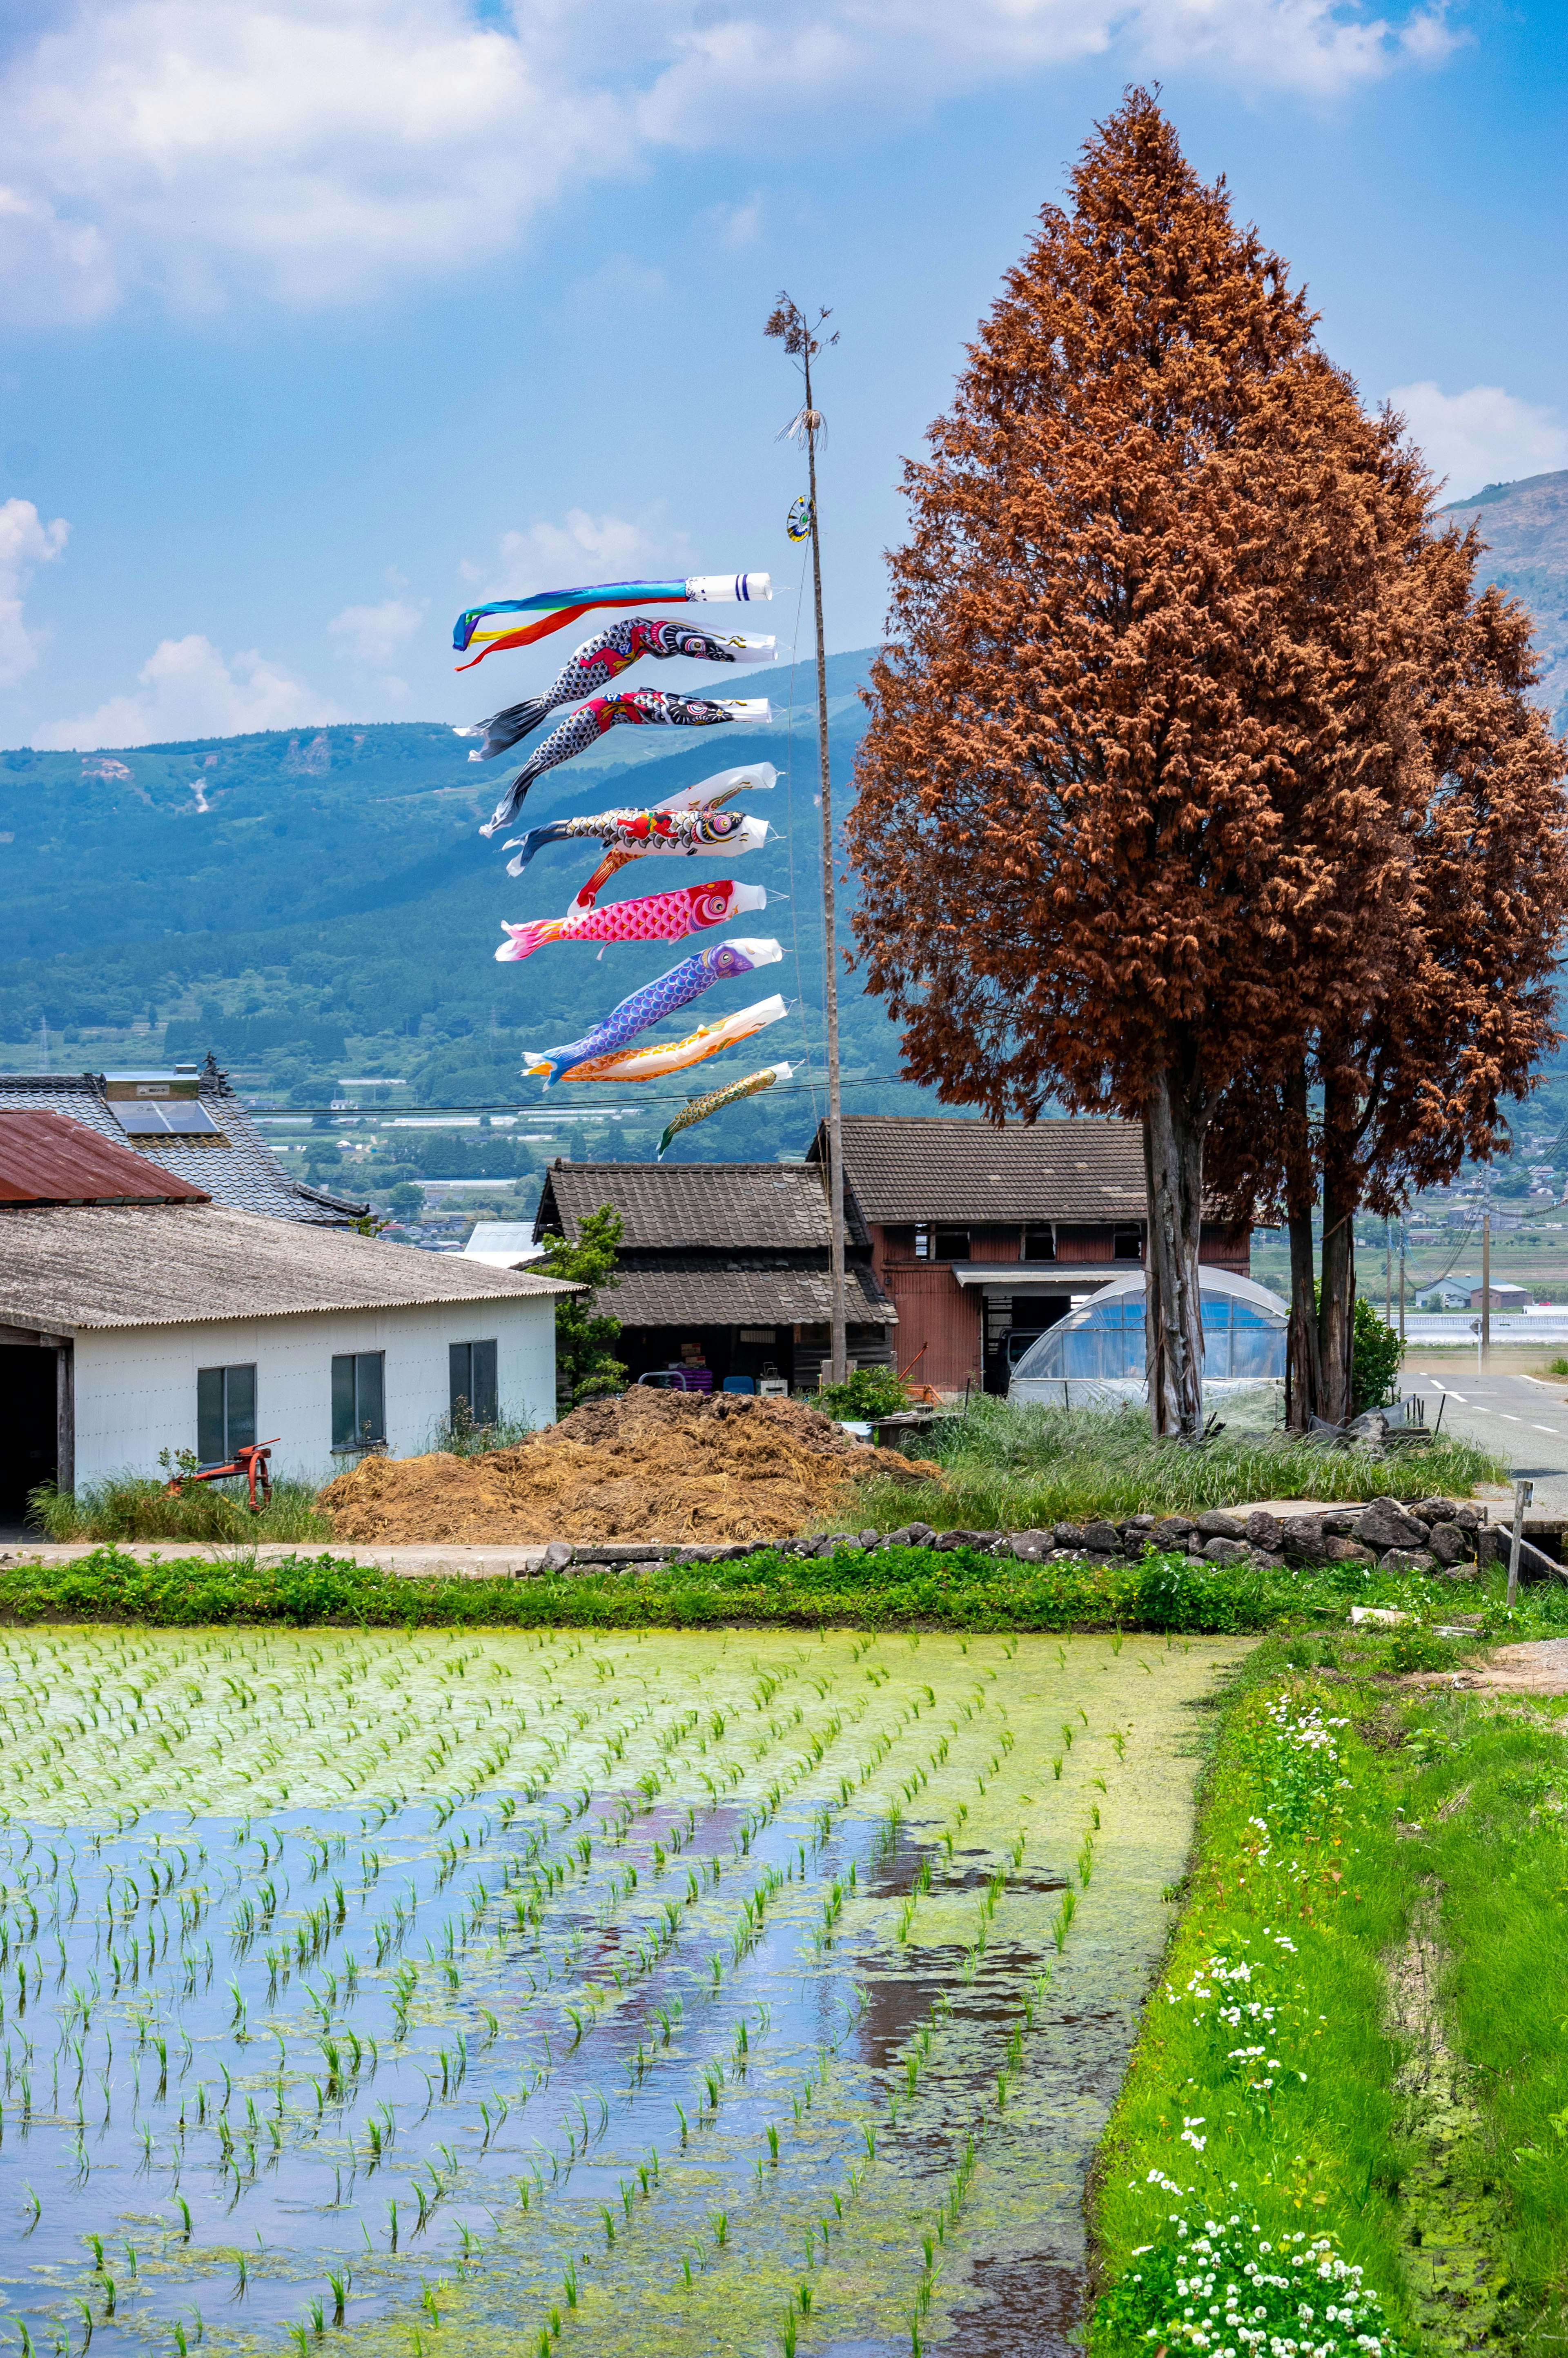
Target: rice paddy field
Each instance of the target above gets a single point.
(535, 1992)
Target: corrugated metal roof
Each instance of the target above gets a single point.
(908, 1168)
(243, 1172)
(674, 1204)
(46, 1158)
(61, 1270)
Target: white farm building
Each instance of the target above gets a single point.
(136, 1316)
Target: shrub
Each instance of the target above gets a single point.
(586, 1367)
(869, 1393)
(1376, 1353)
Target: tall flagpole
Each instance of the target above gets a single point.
(789, 322)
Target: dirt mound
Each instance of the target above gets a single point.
(648, 1466)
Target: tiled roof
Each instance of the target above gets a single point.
(47, 1159)
(245, 1174)
(908, 1168)
(90, 1268)
(739, 1205)
(694, 1289)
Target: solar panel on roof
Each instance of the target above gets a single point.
(176, 1117)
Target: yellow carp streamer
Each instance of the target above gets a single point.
(750, 1085)
(708, 1039)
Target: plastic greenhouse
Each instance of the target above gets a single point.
(1098, 1350)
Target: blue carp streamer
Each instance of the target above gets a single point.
(720, 962)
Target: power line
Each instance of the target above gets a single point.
(577, 1106)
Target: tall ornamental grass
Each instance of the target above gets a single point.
(1007, 1468)
(137, 1506)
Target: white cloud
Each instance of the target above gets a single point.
(314, 151)
(371, 634)
(1482, 436)
(190, 689)
(25, 542)
(583, 547)
(734, 226)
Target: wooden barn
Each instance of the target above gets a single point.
(983, 1237)
(723, 1269)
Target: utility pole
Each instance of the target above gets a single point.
(1388, 1273)
(1486, 1287)
(1402, 1280)
(789, 323)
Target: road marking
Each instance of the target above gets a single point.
(1506, 1417)
(1544, 1428)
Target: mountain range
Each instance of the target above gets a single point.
(313, 903)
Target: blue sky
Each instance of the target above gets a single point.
(327, 318)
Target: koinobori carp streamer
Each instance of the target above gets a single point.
(696, 1110)
(637, 707)
(556, 610)
(720, 962)
(633, 835)
(658, 918)
(651, 1063)
(602, 659)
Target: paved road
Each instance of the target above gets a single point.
(1526, 1423)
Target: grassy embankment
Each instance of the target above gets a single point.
(910, 1587)
(1355, 2059)
(1015, 1469)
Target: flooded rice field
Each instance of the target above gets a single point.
(673, 1993)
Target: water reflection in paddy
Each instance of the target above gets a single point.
(676, 1993)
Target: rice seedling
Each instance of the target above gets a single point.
(339, 1746)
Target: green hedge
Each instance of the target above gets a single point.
(957, 1588)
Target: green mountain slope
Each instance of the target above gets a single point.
(1525, 527)
(315, 905)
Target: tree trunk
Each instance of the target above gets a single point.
(1304, 1366)
(1173, 1167)
(1336, 1292)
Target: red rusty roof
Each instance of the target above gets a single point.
(45, 1159)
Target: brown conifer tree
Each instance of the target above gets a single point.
(1464, 1008)
(1133, 802)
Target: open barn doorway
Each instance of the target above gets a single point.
(29, 1426)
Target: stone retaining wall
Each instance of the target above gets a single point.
(1440, 1536)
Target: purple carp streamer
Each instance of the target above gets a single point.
(639, 708)
(720, 963)
(673, 1056)
(657, 917)
(602, 659)
(698, 1109)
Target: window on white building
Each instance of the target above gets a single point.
(225, 1412)
(471, 1370)
(359, 1399)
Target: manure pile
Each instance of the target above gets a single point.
(647, 1465)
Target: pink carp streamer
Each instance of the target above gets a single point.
(651, 1064)
(641, 707)
(698, 1109)
(603, 658)
(658, 918)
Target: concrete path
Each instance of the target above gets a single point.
(415, 1563)
(1522, 1418)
